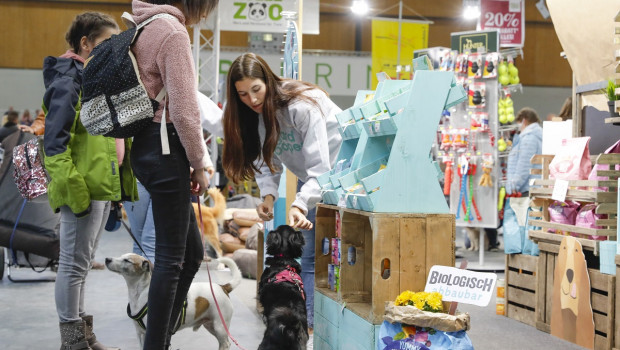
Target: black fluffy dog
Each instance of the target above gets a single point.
(282, 294)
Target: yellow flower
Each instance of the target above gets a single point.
(421, 300)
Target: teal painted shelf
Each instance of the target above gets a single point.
(387, 143)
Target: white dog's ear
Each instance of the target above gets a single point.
(146, 265)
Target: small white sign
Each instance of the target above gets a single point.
(462, 286)
(559, 190)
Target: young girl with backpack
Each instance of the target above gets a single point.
(164, 58)
(270, 122)
(85, 173)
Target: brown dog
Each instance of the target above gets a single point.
(571, 311)
(211, 217)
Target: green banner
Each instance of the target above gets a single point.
(471, 41)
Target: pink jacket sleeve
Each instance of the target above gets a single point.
(177, 69)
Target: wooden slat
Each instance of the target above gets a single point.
(606, 208)
(553, 240)
(535, 214)
(536, 171)
(521, 261)
(607, 222)
(385, 230)
(609, 158)
(579, 183)
(521, 314)
(539, 158)
(599, 303)
(520, 297)
(600, 280)
(521, 280)
(573, 228)
(610, 173)
(600, 323)
(592, 196)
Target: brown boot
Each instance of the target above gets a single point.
(90, 336)
(72, 336)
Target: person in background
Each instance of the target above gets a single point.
(82, 183)
(567, 109)
(164, 58)
(26, 118)
(270, 122)
(10, 126)
(524, 145)
(38, 125)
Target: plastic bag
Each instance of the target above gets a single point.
(587, 218)
(615, 148)
(514, 234)
(529, 247)
(572, 162)
(563, 213)
(399, 336)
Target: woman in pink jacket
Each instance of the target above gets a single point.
(164, 58)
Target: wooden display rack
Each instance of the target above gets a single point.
(603, 297)
(411, 243)
(606, 202)
(521, 282)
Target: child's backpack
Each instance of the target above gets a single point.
(114, 101)
(29, 171)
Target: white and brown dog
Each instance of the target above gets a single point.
(200, 310)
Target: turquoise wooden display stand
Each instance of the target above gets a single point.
(390, 169)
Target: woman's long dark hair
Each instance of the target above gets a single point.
(241, 139)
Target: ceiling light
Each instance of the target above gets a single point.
(359, 7)
(471, 9)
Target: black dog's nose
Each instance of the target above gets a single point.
(108, 260)
(569, 275)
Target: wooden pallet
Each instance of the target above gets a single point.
(521, 281)
(606, 202)
(603, 297)
(409, 244)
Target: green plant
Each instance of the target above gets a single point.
(610, 90)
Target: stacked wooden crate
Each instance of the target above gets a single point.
(393, 253)
(603, 286)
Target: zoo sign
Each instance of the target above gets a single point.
(266, 15)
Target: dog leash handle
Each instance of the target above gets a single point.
(217, 305)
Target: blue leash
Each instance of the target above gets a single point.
(21, 210)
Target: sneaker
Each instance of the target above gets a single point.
(310, 343)
(494, 249)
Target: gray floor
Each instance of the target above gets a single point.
(28, 317)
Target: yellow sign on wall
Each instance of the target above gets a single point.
(414, 36)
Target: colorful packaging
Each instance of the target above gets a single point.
(491, 61)
(477, 93)
(461, 63)
(587, 218)
(330, 276)
(563, 213)
(474, 65)
(338, 225)
(572, 162)
(336, 251)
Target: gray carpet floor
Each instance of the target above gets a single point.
(28, 317)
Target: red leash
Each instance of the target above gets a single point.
(210, 282)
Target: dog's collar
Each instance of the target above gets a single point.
(289, 275)
(139, 317)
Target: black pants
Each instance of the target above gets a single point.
(178, 245)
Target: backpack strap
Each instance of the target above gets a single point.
(128, 20)
(150, 19)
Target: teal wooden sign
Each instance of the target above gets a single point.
(471, 41)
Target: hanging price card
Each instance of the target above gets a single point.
(508, 16)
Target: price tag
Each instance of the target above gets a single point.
(342, 202)
(559, 190)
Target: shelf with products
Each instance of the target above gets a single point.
(394, 133)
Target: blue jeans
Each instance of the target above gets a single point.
(307, 264)
(178, 245)
(140, 216)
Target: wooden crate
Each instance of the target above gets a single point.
(520, 293)
(603, 292)
(411, 243)
(606, 202)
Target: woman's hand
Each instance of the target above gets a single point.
(265, 209)
(297, 219)
(210, 171)
(198, 182)
(25, 128)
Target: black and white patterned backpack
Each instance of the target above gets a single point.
(114, 100)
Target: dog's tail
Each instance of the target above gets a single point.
(219, 207)
(288, 325)
(235, 273)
